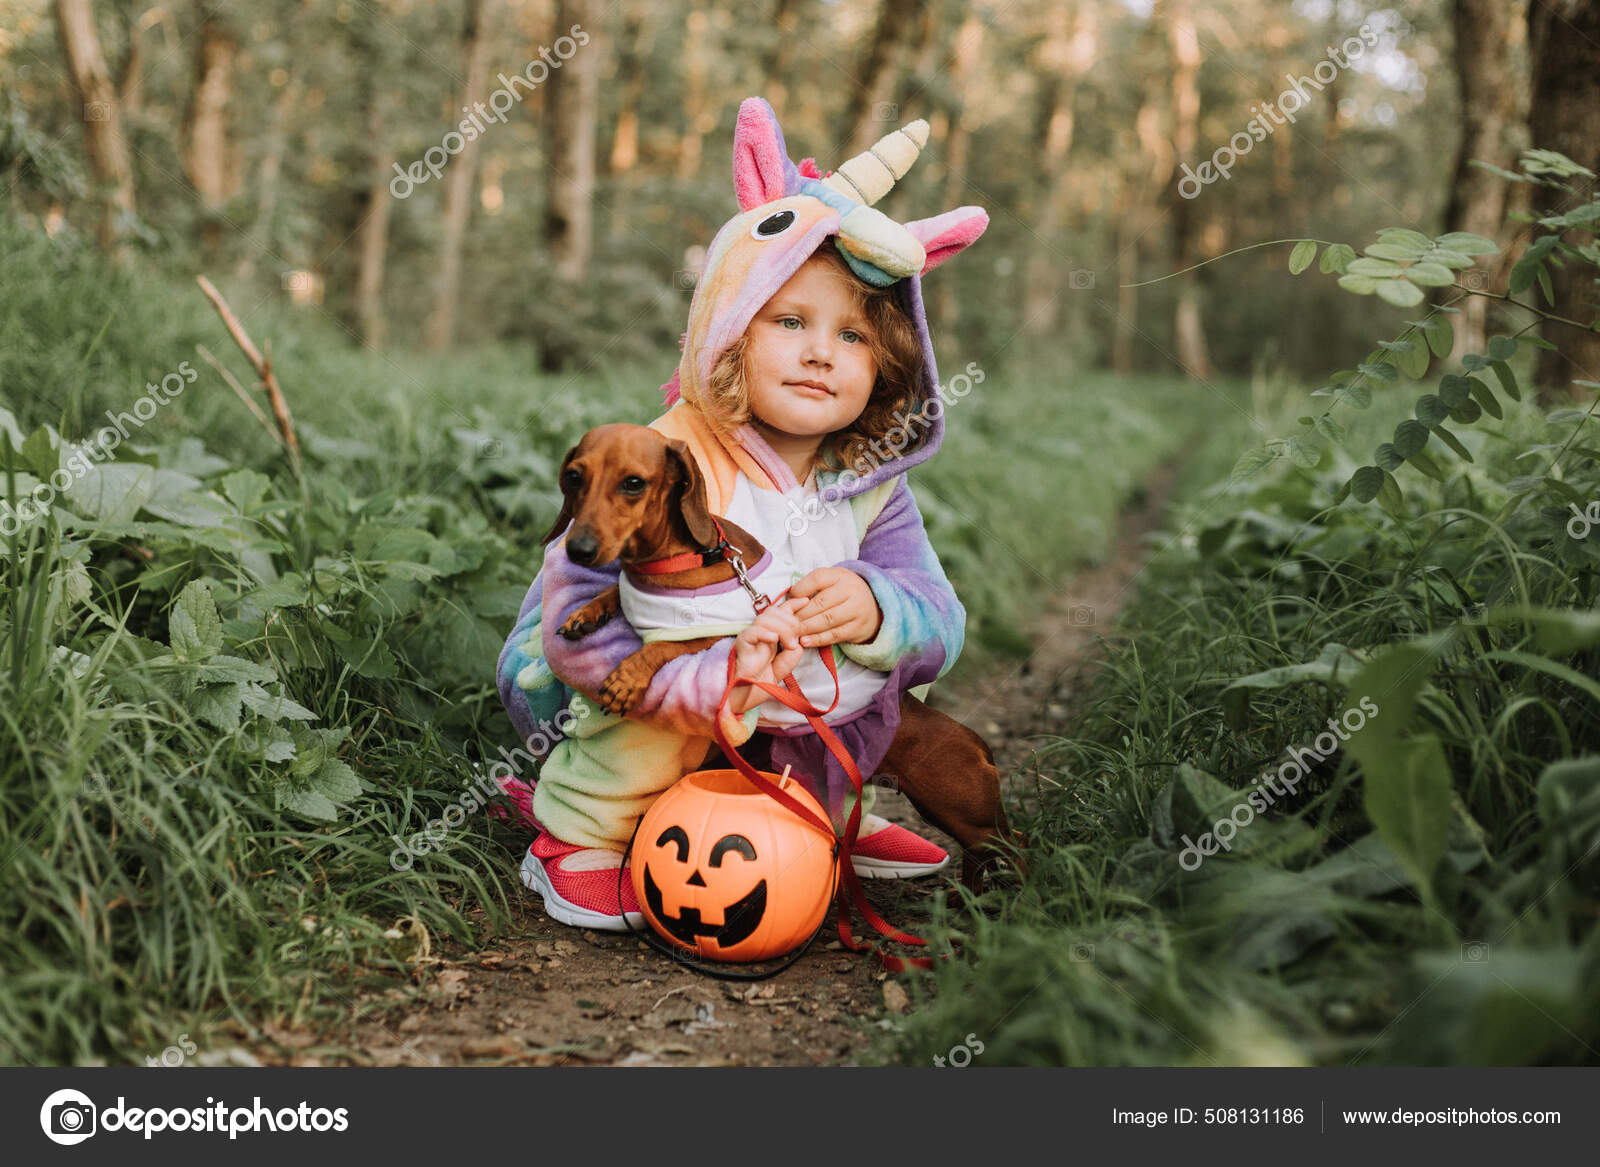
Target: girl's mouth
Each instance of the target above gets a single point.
(810, 389)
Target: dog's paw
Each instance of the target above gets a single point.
(624, 687)
(582, 622)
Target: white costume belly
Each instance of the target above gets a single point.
(725, 609)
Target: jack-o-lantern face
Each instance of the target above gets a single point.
(739, 918)
(725, 871)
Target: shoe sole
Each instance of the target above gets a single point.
(537, 880)
(868, 868)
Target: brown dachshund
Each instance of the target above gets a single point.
(632, 494)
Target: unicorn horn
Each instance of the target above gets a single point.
(871, 174)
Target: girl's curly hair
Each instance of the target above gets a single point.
(896, 350)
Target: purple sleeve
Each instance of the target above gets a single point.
(922, 616)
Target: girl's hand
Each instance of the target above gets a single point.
(768, 650)
(843, 609)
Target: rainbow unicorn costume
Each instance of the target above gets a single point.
(599, 772)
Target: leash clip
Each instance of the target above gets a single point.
(759, 599)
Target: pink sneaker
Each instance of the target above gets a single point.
(896, 853)
(583, 899)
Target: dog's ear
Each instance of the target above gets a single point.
(690, 490)
(565, 516)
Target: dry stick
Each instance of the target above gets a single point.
(244, 395)
(263, 367)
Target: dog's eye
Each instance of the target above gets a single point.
(633, 484)
(571, 479)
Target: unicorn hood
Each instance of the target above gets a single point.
(786, 212)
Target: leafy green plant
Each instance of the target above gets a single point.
(1398, 268)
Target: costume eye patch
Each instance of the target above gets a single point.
(774, 224)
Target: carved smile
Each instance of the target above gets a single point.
(740, 919)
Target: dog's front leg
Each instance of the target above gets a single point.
(626, 684)
(593, 614)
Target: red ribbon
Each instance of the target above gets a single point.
(849, 883)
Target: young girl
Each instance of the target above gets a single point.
(807, 389)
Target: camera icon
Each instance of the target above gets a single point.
(1081, 954)
(885, 111)
(1477, 281)
(1475, 952)
(97, 111)
(1080, 280)
(685, 280)
(94, 785)
(296, 281)
(1081, 614)
(68, 1117)
(491, 448)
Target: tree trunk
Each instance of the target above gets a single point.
(476, 39)
(697, 120)
(787, 17)
(624, 154)
(102, 128)
(1484, 32)
(258, 241)
(130, 84)
(1564, 42)
(1136, 213)
(872, 113)
(206, 146)
(963, 65)
(1068, 52)
(571, 99)
(372, 246)
(1189, 337)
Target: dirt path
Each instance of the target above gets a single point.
(550, 994)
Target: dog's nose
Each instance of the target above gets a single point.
(582, 547)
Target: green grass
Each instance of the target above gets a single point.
(222, 695)
(1333, 932)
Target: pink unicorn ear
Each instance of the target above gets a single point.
(948, 234)
(762, 170)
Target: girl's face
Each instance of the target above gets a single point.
(809, 334)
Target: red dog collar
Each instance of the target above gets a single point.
(722, 552)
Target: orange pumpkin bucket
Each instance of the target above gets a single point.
(723, 870)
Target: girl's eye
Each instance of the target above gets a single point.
(851, 334)
(785, 321)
